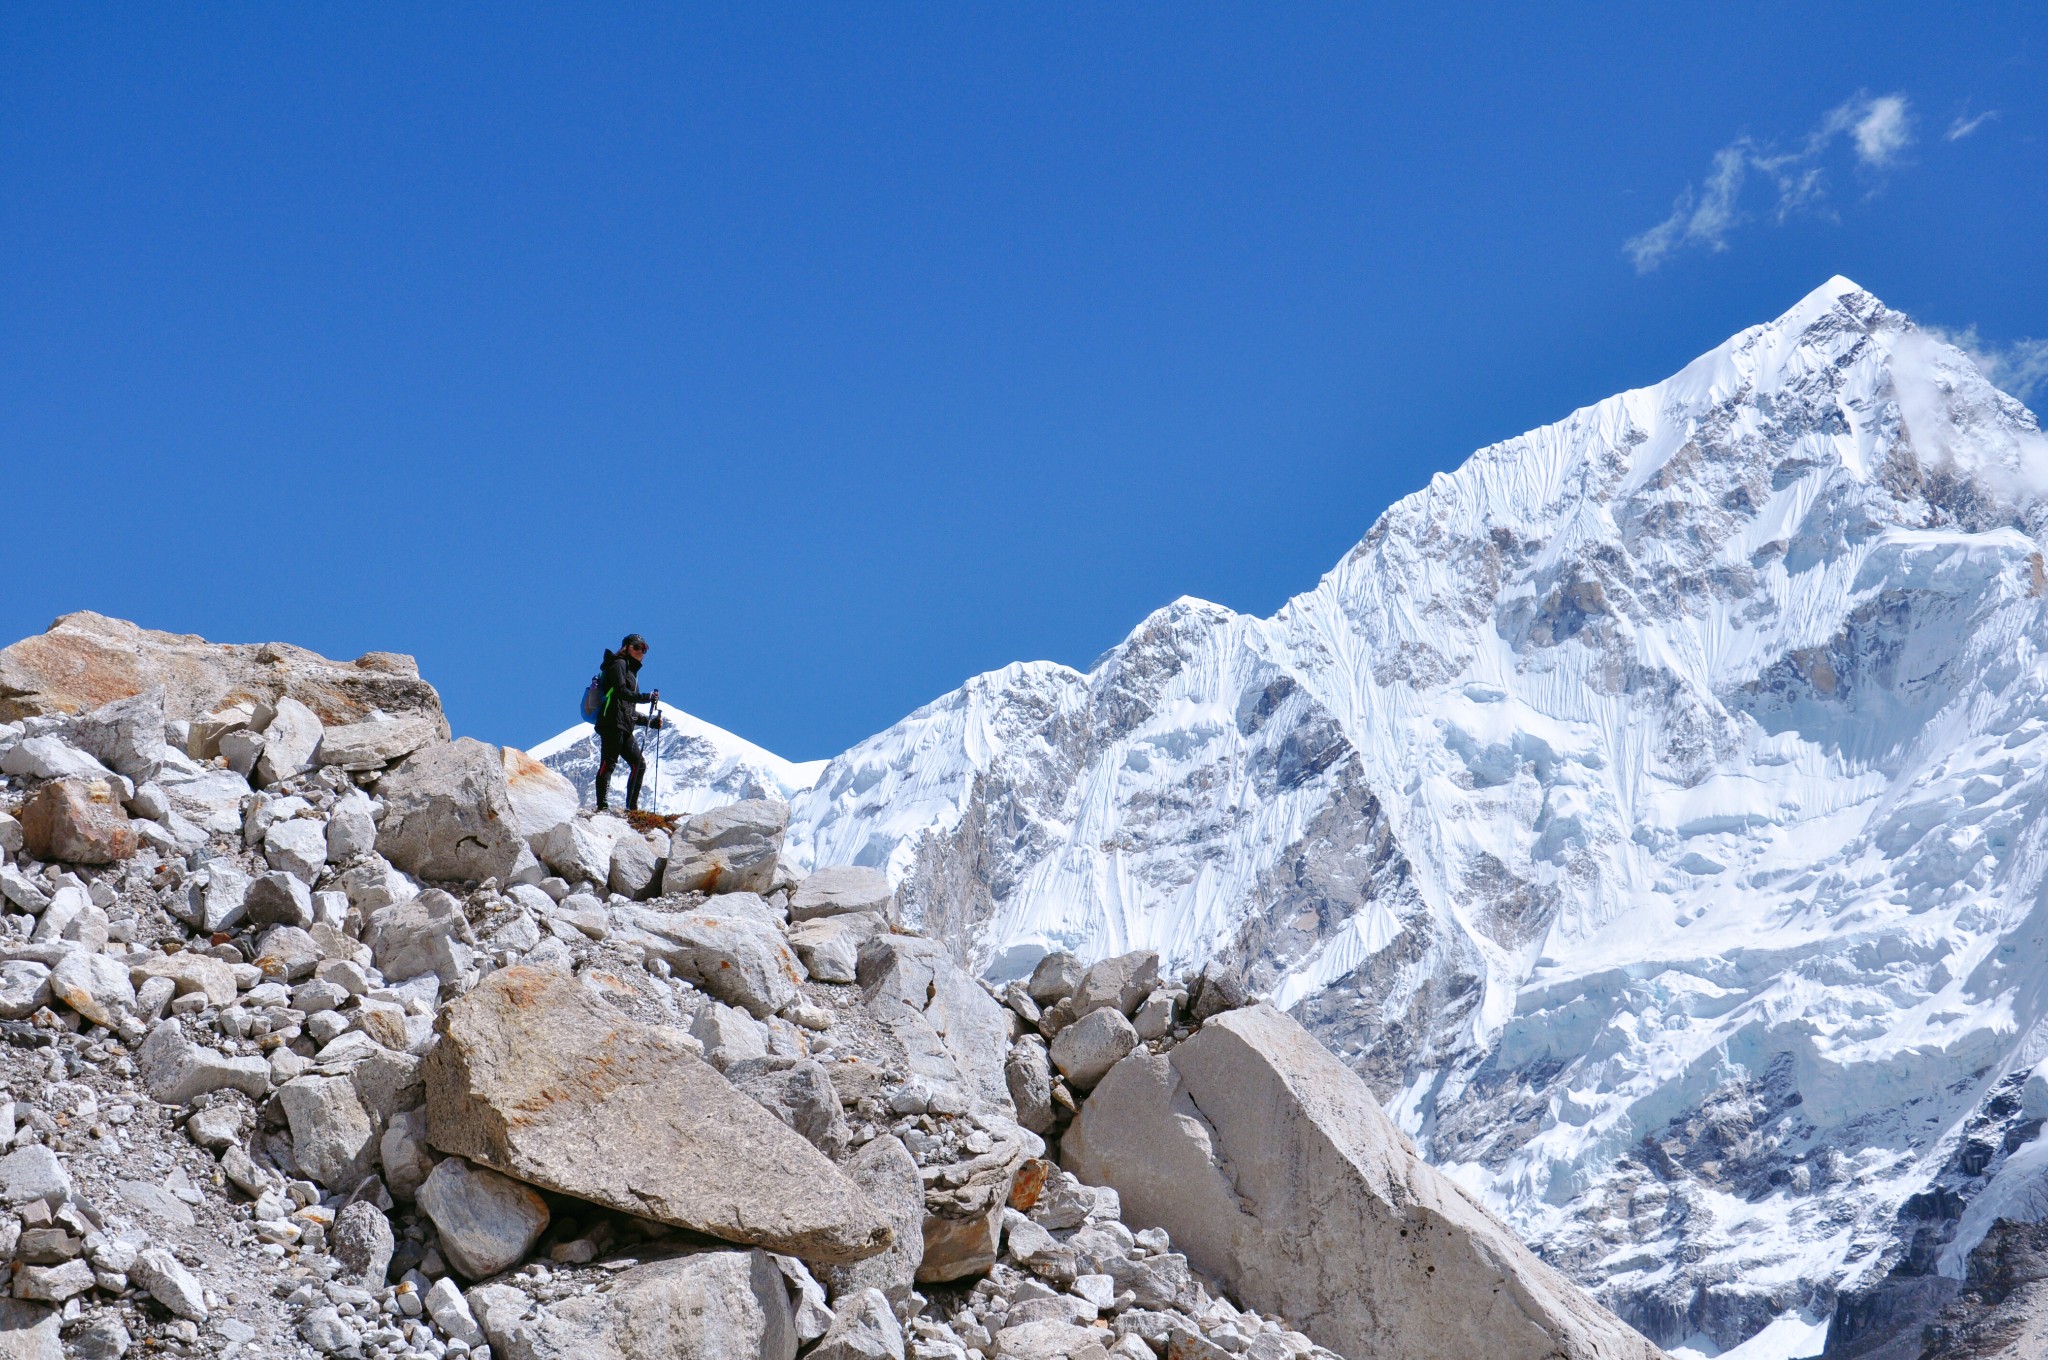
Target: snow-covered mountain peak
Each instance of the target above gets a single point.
(1651, 808)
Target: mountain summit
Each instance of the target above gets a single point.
(1649, 809)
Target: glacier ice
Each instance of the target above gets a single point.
(1651, 809)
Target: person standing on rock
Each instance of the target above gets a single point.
(616, 724)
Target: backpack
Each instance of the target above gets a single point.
(595, 697)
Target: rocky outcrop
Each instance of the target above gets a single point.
(86, 660)
(1276, 1171)
(538, 1078)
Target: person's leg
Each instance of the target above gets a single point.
(607, 759)
(637, 763)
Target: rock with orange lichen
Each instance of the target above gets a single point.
(86, 660)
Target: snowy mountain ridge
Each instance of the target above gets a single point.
(1649, 809)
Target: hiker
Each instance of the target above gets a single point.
(621, 676)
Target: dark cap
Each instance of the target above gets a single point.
(633, 640)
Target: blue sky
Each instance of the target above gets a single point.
(849, 350)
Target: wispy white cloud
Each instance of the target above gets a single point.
(1882, 128)
(1963, 126)
(1879, 128)
(2019, 368)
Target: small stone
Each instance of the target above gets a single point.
(241, 749)
(216, 1127)
(104, 1338)
(1156, 1017)
(176, 1071)
(425, 934)
(1028, 1071)
(94, 985)
(1054, 979)
(332, 1137)
(189, 972)
(297, 847)
(829, 946)
(1122, 982)
(216, 899)
(169, 1283)
(351, 829)
(289, 740)
(498, 1308)
(374, 744)
(1218, 988)
(841, 889)
(1088, 1048)
(287, 953)
(325, 1331)
(863, 1328)
(24, 988)
(280, 897)
(403, 1151)
(633, 866)
(363, 1242)
(33, 1175)
(450, 1312)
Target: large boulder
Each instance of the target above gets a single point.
(840, 889)
(374, 744)
(485, 1221)
(580, 849)
(829, 946)
(727, 1305)
(423, 934)
(728, 849)
(289, 740)
(542, 799)
(1089, 1047)
(127, 735)
(28, 1331)
(1274, 1170)
(537, 1077)
(886, 1172)
(448, 814)
(954, 1035)
(86, 660)
(77, 821)
(730, 952)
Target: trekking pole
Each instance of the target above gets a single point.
(659, 733)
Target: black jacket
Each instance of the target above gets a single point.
(622, 694)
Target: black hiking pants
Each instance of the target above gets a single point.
(611, 746)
